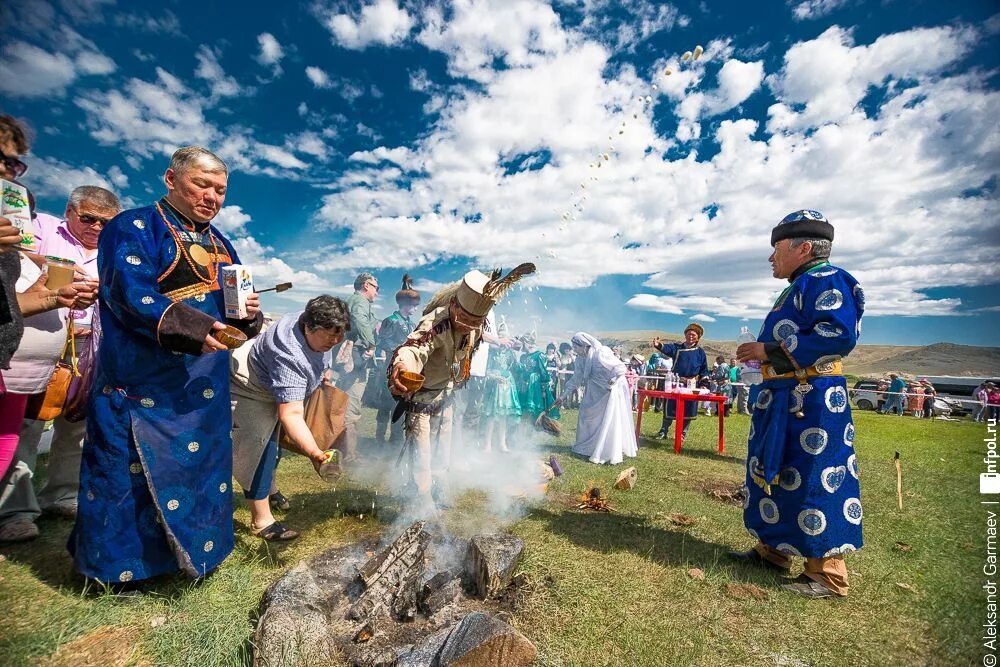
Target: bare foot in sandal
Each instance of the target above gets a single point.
(275, 532)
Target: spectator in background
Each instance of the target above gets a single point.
(894, 402)
(723, 386)
(567, 359)
(742, 391)
(915, 399)
(270, 384)
(362, 336)
(391, 335)
(981, 394)
(993, 402)
(30, 370)
(929, 397)
(13, 144)
(552, 365)
(633, 370)
(72, 238)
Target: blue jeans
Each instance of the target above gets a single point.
(260, 487)
(894, 402)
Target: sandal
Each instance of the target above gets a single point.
(806, 587)
(279, 501)
(276, 532)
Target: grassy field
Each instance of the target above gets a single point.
(604, 589)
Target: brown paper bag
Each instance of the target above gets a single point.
(324, 415)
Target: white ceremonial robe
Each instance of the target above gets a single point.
(604, 432)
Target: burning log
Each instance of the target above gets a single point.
(591, 500)
(366, 633)
(390, 578)
(440, 591)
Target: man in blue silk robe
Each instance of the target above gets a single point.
(803, 492)
(157, 461)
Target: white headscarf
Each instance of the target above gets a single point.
(596, 352)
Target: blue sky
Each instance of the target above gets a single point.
(434, 137)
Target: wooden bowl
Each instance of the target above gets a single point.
(231, 337)
(412, 381)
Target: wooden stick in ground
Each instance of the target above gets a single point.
(899, 482)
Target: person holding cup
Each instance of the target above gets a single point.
(67, 247)
(155, 476)
(421, 371)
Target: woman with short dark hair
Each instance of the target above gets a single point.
(270, 382)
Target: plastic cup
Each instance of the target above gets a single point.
(60, 272)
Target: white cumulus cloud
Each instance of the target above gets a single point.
(383, 22)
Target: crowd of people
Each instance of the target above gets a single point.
(919, 398)
(156, 414)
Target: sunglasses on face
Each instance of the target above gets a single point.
(13, 165)
(373, 286)
(92, 220)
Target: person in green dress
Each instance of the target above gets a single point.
(535, 383)
(501, 406)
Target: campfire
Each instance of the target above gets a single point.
(591, 500)
(417, 601)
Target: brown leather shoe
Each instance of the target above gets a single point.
(751, 557)
(806, 587)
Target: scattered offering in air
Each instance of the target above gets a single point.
(698, 51)
(686, 57)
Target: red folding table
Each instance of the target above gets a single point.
(681, 398)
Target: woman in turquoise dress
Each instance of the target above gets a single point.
(501, 406)
(534, 381)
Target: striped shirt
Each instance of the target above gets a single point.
(284, 363)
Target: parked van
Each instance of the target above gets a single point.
(958, 387)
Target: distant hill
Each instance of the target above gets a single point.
(934, 359)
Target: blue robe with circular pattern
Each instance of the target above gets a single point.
(156, 470)
(808, 461)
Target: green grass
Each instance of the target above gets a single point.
(604, 589)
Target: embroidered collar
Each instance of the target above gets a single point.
(807, 266)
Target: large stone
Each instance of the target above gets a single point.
(425, 652)
(481, 640)
(293, 628)
(490, 561)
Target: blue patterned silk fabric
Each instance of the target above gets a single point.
(157, 460)
(803, 493)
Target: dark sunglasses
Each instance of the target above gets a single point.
(375, 285)
(13, 165)
(93, 220)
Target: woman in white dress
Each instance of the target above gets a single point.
(604, 431)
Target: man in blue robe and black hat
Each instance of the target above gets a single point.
(689, 363)
(803, 493)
